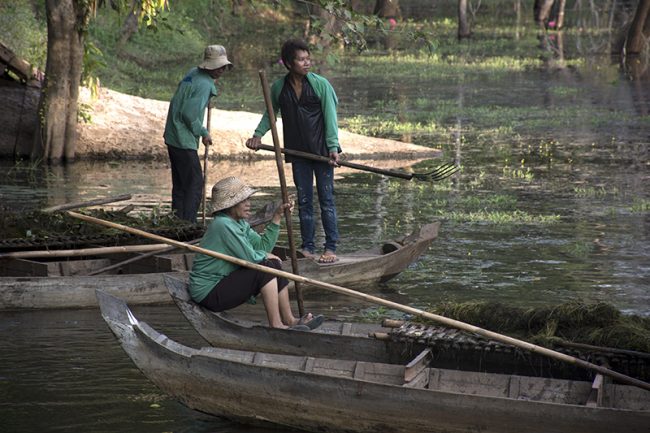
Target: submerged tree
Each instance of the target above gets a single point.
(639, 30)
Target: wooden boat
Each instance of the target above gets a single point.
(452, 348)
(331, 395)
(33, 284)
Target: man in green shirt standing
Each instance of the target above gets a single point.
(184, 127)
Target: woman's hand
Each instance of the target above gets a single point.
(279, 212)
(271, 256)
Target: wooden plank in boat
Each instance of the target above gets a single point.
(595, 398)
(22, 268)
(66, 268)
(415, 367)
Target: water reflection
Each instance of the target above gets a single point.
(583, 135)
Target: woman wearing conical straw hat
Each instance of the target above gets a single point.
(221, 285)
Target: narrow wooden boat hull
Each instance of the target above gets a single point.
(317, 394)
(332, 340)
(147, 287)
(452, 348)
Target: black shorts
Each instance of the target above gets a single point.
(236, 288)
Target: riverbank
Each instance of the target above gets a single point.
(129, 127)
(126, 127)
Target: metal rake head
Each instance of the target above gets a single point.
(439, 173)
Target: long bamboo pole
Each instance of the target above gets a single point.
(365, 297)
(283, 186)
(205, 167)
(102, 251)
(94, 202)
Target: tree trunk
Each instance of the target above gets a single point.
(56, 134)
(560, 15)
(389, 10)
(463, 23)
(636, 38)
(130, 26)
(542, 11)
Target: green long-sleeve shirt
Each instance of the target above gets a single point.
(184, 123)
(328, 101)
(233, 238)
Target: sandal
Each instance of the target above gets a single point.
(312, 323)
(328, 257)
(307, 254)
(299, 327)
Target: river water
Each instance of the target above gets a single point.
(570, 222)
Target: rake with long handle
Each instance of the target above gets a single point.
(439, 173)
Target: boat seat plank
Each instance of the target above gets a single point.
(308, 365)
(595, 398)
(421, 380)
(417, 365)
(359, 371)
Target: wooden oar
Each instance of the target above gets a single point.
(283, 186)
(439, 173)
(394, 305)
(205, 166)
(94, 202)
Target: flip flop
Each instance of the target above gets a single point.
(308, 255)
(328, 257)
(314, 323)
(299, 327)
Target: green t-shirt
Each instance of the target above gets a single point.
(234, 238)
(186, 112)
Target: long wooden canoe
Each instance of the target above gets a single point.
(374, 343)
(332, 395)
(35, 284)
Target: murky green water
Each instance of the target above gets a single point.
(552, 205)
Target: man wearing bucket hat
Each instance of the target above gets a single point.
(307, 102)
(184, 127)
(221, 285)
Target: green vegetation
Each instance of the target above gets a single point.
(640, 206)
(23, 28)
(598, 324)
(519, 141)
(39, 226)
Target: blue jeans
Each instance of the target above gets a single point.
(303, 177)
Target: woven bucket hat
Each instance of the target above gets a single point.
(228, 192)
(214, 57)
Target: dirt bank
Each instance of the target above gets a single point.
(129, 126)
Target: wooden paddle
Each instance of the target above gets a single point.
(394, 305)
(205, 166)
(283, 186)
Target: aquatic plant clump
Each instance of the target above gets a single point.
(38, 225)
(599, 324)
